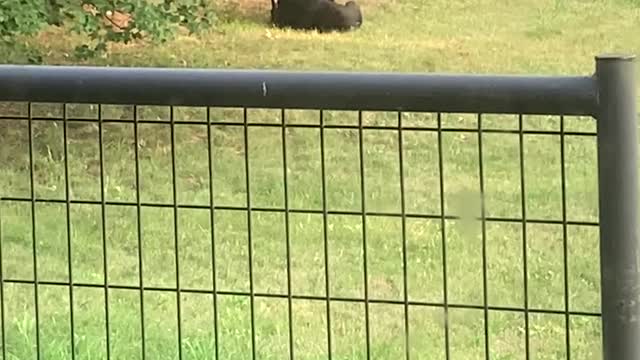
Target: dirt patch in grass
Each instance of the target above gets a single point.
(249, 5)
(252, 10)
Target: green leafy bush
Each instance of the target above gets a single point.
(105, 21)
(21, 17)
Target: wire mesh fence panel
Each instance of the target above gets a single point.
(378, 231)
(191, 232)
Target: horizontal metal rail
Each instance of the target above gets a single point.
(489, 94)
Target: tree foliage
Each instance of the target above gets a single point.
(104, 21)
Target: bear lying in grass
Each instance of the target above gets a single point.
(320, 15)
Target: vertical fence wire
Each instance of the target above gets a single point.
(285, 183)
(67, 189)
(36, 280)
(249, 234)
(212, 211)
(484, 241)
(365, 272)
(3, 329)
(443, 235)
(405, 295)
(103, 219)
(325, 229)
(565, 253)
(523, 209)
(176, 234)
(139, 229)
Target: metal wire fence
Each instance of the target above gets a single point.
(199, 232)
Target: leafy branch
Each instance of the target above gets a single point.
(104, 21)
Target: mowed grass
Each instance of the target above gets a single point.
(557, 37)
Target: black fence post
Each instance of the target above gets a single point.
(618, 182)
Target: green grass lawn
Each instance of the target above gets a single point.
(550, 37)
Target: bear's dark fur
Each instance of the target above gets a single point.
(321, 15)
